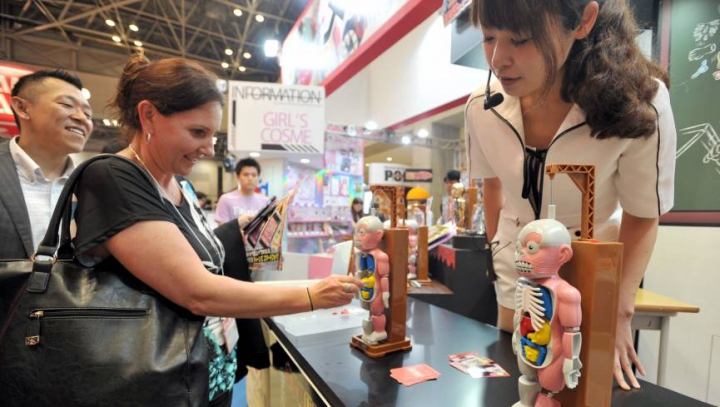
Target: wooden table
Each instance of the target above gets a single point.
(653, 311)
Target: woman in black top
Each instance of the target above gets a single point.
(170, 110)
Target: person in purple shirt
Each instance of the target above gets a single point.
(242, 203)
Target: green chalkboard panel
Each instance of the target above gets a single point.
(695, 97)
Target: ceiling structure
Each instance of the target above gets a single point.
(97, 36)
(78, 34)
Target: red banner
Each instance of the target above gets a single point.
(9, 76)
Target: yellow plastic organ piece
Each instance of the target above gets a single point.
(541, 337)
(369, 284)
(531, 353)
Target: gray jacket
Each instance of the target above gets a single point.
(15, 230)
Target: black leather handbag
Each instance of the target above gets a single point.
(77, 336)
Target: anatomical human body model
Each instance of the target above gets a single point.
(373, 269)
(458, 206)
(547, 315)
(412, 249)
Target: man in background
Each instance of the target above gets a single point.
(54, 120)
(243, 203)
(450, 179)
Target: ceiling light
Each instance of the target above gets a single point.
(247, 55)
(242, 68)
(237, 12)
(304, 160)
(406, 139)
(107, 122)
(85, 93)
(137, 43)
(115, 123)
(371, 125)
(110, 22)
(422, 133)
(225, 65)
(228, 51)
(254, 155)
(389, 158)
(214, 140)
(259, 18)
(116, 38)
(271, 48)
(133, 27)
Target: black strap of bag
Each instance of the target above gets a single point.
(96, 323)
(48, 248)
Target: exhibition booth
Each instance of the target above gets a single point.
(371, 107)
(397, 88)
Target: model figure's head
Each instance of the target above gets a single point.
(368, 233)
(543, 246)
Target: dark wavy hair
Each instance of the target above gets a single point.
(172, 85)
(605, 74)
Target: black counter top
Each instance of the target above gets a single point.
(346, 377)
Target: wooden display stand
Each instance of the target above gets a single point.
(396, 195)
(595, 270)
(395, 245)
(470, 202)
(423, 233)
(423, 256)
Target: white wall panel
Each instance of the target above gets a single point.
(416, 75)
(684, 266)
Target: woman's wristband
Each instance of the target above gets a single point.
(312, 307)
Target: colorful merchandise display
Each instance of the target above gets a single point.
(320, 213)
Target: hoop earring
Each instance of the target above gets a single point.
(148, 137)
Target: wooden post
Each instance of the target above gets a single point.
(470, 202)
(395, 244)
(423, 256)
(396, 194)
(595, 270)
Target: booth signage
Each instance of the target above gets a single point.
(386, 174)
(9, 75)
(418, 175)
(272, 117)
(328, 33)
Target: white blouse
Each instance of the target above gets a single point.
(634, 175)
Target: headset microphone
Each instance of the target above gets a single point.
(494, 100)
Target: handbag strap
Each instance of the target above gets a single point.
(42, 267)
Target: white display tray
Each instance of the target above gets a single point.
(311, 328)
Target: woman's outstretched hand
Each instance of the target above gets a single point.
(334, 291)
